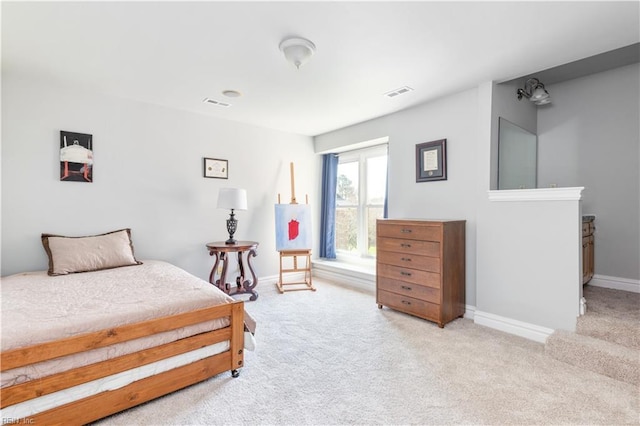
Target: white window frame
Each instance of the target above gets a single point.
(361, 156)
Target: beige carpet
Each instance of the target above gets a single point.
(612, 315)
(607, 338)
(331, 357)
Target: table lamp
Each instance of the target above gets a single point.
(233, 199)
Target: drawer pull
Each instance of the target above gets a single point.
(405, 245)
(406, 287)
(406, 231)
(406, 259)
(404, 302)
(406, 274)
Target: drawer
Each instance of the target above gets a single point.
(410, 231)
(421, 248)
(415, 276)
(415, 291)
(409, 305)
(409, 260)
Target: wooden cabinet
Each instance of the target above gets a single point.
(588, 254)
(420, 268)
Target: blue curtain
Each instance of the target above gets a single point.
(385, 211)
(328, 208)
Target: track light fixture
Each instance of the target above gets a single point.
(535, 92)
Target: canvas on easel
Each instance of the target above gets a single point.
(293, 227)
(293, 240)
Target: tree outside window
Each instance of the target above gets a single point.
(360, 198)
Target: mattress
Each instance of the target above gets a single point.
(56, 399)
(38, 308)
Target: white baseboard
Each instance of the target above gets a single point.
(469, 311)
(289, 277)
(271, 279)
(512, 326)
(356, 279)
(359, 280)
(616, 283)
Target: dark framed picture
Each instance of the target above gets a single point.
(76, 157)
(431, 161)
(216, 168)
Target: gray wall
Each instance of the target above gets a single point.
(513, 271)
(453, 118)
(590, 136)
(505, 104)
(528, 252)
(518, 153)
(148, 176)
(529, 262)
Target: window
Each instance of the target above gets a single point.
(360, 199)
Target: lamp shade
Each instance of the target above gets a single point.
(535, 91)
(539, 94)
(232, 199)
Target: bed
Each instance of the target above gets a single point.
(77, 347)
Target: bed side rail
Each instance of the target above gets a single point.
(53, 383)
(20, 357)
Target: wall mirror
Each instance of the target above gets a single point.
(517, 157)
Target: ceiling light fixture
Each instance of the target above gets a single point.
(535, 92)
(232, 93)
(297, 50)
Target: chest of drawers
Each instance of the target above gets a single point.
(420, 268)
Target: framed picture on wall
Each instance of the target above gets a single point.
(76, 157)
(216, 168)
(431, 161)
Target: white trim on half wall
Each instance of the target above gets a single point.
(512, 326)
(537, 194)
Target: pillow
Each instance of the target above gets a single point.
(68, 255)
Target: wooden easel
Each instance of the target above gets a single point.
(307, 283)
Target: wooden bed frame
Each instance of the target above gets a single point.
(109, 402)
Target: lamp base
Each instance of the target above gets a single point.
(232, 225)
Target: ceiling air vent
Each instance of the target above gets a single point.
(397, 92)
(214, 102)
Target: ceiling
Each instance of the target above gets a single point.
(176, 54)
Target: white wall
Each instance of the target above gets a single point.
(453, 118)
(590, 136)
(147, 176)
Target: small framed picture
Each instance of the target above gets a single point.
(431, 161)
(76, 157)
(216, 168)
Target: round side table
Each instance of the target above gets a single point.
(243, 284)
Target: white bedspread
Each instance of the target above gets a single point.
(37, 308)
